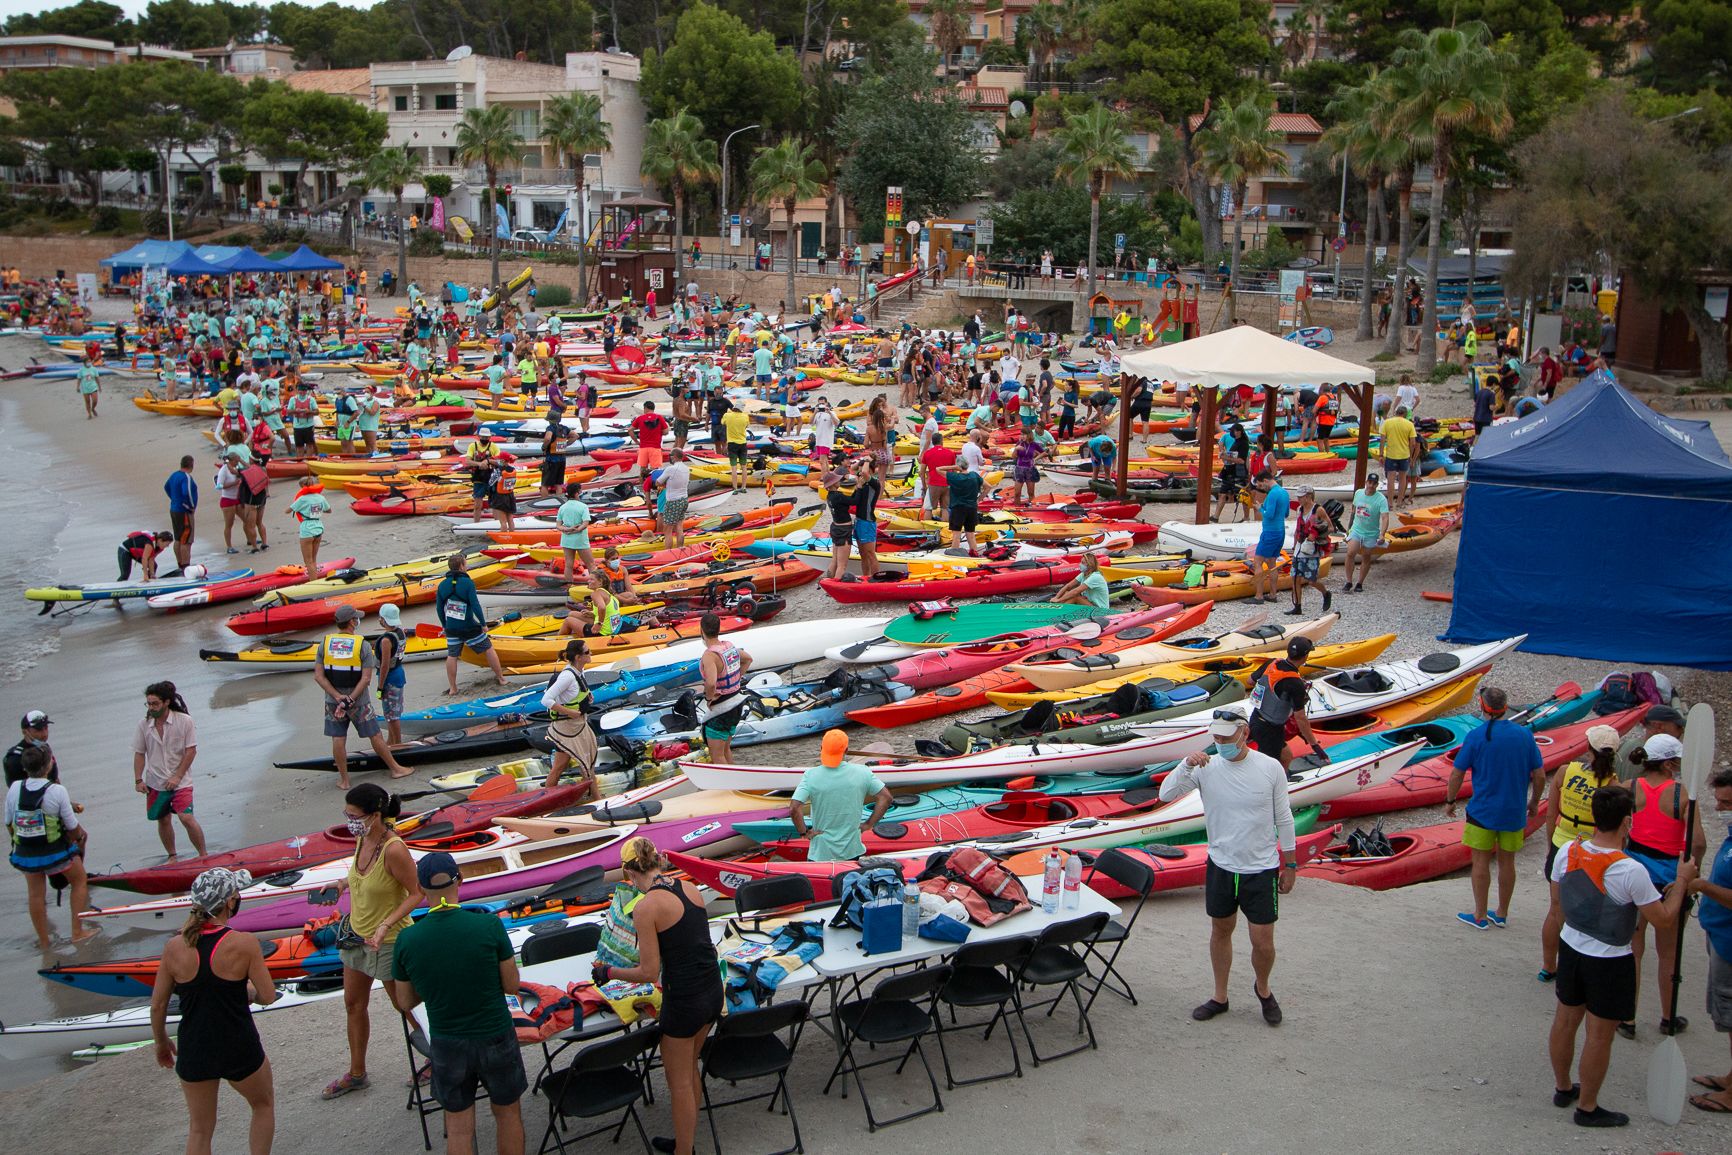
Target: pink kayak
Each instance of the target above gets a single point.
(943, 667)
(235, 589)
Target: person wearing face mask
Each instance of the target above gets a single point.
(460, 962)
(1509, 779)
(382, 890)
(163, 749)
(1252, 852)
(1716, 920)
(216, 974)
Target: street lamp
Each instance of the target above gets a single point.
(722, 225)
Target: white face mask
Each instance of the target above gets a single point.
(1231, 751)
(357, 826)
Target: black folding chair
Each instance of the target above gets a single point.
(421, 1101)
(746, 1046)
(900, 1009)
(773, 893)
(1053, 961)
(978, 979)
(562, 943)
(602, 1078)
(1133, 875)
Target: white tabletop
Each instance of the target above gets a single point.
(843, 956)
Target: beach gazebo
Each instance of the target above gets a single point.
(1232, 357)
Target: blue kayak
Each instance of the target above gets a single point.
(607, 685)
(772, 714)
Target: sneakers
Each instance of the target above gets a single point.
(1271, 1008)
(1562, 1099)
(1600, 1117)
(1209, 1010)
(1294, 612)
(1328, 599)
(1476, 923)
(1496, 919)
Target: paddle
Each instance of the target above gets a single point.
(1564, 690)
(1668, 1078)
(498, 786)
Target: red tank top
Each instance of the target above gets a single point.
(1652, 826)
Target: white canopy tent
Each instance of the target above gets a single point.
(1242, 355)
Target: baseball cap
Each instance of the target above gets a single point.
(391, 614)
(347, 614)
(485, 435)
(1662, 748)
(1303, 491)
(436, 871)
(835, 748)
(1300, 646)
(1602, 738)
(33, 719)
(1663, 713)
(213, 890)
(1225, 723)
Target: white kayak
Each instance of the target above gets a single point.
(465, 527)
(1215, 541)
(775, 644)
(109, 591)
(1424, 487)
(1011, 761)
(1087, 669)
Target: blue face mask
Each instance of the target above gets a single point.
(1229, 750)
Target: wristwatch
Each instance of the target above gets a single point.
(1289, 866)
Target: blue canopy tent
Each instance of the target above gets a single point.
(306, 260)
(248, 261)
(215, 253)
(1601, 529)
(144, 255)
(190, 264)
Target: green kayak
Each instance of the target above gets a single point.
(1100, 719)
(981, 621)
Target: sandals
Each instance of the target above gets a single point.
(1712, 1082)
(1709, 1104)
(337, 1088)
(1675, 1025)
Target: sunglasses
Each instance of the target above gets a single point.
(1228, 716)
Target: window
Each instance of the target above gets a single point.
(445, 102)
(400, 103)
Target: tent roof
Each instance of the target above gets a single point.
(216, 252)
(190, 264)
(246, 260)
(1243, 355)
(1599, 438)
(305, 259)
(147, 254)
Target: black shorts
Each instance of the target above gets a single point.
(842, 534)
(1226, 894)
(684, 1015)
(254, 500)
(180, 524)
(1606, 986)
(304, 437)
(1140, 410)
(736, 453)
(459, 1065)
(964, 519)
(1267, 738)
(503, 502)
(127, 561)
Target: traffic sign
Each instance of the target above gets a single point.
(1119, 242)
(1338, 243)
(983, 231)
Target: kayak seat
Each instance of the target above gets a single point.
(1037, 719)
(1261, 632)
(1441, 663)
(947, 691)
(1095, 661)
(1135, 633)
(1430, 733)
(1141, 797)
(628, 811)
(1124, 700)
(445, 736)
(1359, 681)
(904, 800)
(1037, 810)
(890, 830)
(1189, 692)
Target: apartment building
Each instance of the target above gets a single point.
(19, 52)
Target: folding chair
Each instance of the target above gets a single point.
(773, 893)
(602, 1078)
(978, 979)
(1053, 962)
(562, 943)
(892, 1013)
(1132, 875)
(420, 1060)
(746, 1046)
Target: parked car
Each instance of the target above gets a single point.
(530, 236)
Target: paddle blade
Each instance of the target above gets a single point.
(429, 630)
(1698, 749)
(1668, 1082)
(496, 787)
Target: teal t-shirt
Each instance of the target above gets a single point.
(833, 798)
(452, 955)
(1095, 587)
(496, 379)
(1368, 511)
(312, 507)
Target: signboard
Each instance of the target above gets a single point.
(655, 278)
(1381, 253)
(1338, 244)
(87, 289)
(983, 231)
(1288, 311)
(734, 233)
(1118, 242)
(893, 205)
(734, 220)
(1713, 298)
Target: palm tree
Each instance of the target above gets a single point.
(393, 169)
(573, 124)
(1041, 31)
(1094, 147)
(787, 172)
(676, 156)
(1456, 82)
(1363, 133)
(1236, 145)
(947, 21)
(485, 137)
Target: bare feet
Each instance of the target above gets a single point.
(86, 935)
(451, 693)
(402, 772)
(343, 782)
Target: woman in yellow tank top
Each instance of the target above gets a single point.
(382, 891)
(1569, 816)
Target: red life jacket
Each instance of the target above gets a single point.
(981, 883)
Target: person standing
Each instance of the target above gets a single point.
(309, 509)
(182, 493)
(1658, 838)
(675, 483)
(464, 622)
(388, 658)
(1400, 462)
(1252, 852)
(47, 841)
(1569, 818)
(303, 412)
(1266, 556)
(163, 749)
(867, 490)
(90, 388)
(832, 794)
(1369, 529)
(1602, 892)
(734, 425)
(1660, 719)
(480, 459)
(461, 964)
(1509, 779)
(1716, 919)
(964, 486)
(216, 974)
(839, 498)
(33, 728)
(1279, 699)
(1311, 545)
(674, 949)
(569, 700)
(382, 890)
(573, 519)
(650, 427)
(343, 668)
(723, 667)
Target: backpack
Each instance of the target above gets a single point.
(1646, 689)
(866, 885)
(1617, 694)
(978, 881)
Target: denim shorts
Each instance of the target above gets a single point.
(459, 1065)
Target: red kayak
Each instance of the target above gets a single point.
(1421, 853)
(942, 667)
(987, 581)
(1175, 867)
(1426, 783)
(266, 858)
(971, 693)
(725, 875)
(429, 413)
(248, 587)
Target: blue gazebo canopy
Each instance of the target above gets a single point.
(304, 259)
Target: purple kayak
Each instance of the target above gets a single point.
(528, 865)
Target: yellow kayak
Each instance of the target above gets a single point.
(653, 543)
(363, 580)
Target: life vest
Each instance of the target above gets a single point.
(505, 482)
(1588, 909)
(728, 681)
(137, 542)
(581, 693)
(1268, 704)
(342, 656)
(1576, 802)
(398, 637)
(541, 1012)
(607, 616)
(36, 833)
(617, 577)
(978, 881)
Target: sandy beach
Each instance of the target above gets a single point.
(1403, 1028)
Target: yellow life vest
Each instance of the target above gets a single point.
(342, 655)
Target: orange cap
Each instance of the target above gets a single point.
(835, 748)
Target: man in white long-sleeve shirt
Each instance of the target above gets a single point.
(1252, 854)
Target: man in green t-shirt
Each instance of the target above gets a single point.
(833, 793)
(461, 964)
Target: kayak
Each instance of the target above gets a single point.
(606, 685)
(930, 668)
(772, 714)
(321, 611)
(1424, 487)
(242, 587)
(779, 644)
(1178, 867)
(985, 581)
(1223, 542)
(482, 739)
(1089, 670)
(977, 623)
(285, 958)
(1418, 853)
(295, 853)
(524, 651)
(971, 693)
(114, 591)
(1218, 582)
(1103, 718)
(352, 581)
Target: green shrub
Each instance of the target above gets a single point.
(106, 219)
(552, 296)
(426, 243)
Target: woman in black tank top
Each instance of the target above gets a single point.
(215, 973)
(674, 948)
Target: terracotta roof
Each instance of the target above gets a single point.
(977, 97)
(1286, 123)
(352, 82)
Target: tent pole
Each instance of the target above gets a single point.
(1124, 459)
(1362, 462)
(1205, 453)
(1270, 395)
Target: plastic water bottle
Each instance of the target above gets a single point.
(1053, 881)
(910, 910)
(1072, 882)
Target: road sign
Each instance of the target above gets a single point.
(1338, 243)
(1118, 242)
(655, 278)
(983, 231)
(734, 220)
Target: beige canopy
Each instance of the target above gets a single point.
(1242, 355)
